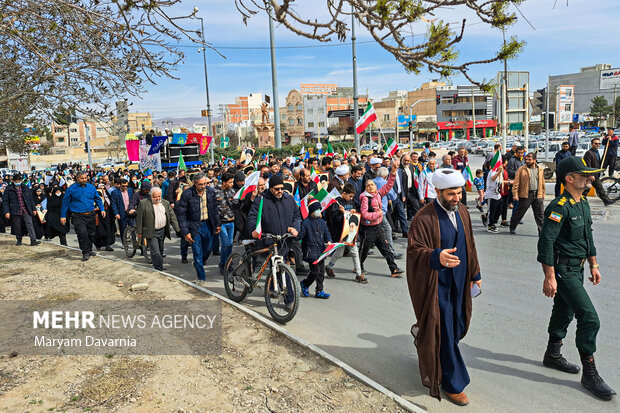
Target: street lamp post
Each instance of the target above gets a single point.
(204, 55)
(411, 118)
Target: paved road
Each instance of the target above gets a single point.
(367, 326)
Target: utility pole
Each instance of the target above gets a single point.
(274, 81)
(526, 121)
(505, 99)
(356, 113)
(473, 111)
(90, 159)
(613, 124)
(204, 55)
(547, 122)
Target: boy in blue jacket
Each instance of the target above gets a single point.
(314, 235)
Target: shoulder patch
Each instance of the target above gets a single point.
(562, 201)
(572, 202)
(555, 217)
(583, 198)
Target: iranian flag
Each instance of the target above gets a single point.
(314, 176)
(468, 175)
(496, 161)
(329, 250)
(303, 204)
(251, 182)
(259, 218)
(330, 150)
(344, 153)
(390, 148)
(223, 159)
(326, 198)
(367, 118)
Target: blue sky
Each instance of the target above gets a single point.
(565, 38)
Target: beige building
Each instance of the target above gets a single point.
(292, 115)
(70, 140)
(140, 122)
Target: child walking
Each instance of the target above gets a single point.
(479, 183)
(314, 235)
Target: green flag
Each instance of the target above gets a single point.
(181, 162)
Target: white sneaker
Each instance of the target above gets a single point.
(202, 283)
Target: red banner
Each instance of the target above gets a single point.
(194, 138)
(205, 141)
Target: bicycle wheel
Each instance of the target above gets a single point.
(612, 187)
(129, 241)
(235, 273)
(282, 304)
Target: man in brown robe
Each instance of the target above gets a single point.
(442, 267)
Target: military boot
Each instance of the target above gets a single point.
(593, 382)
(554, 359)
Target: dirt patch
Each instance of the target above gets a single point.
(258, 370)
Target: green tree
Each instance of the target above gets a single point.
(389, 22)
(600, 107)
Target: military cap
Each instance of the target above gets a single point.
(573, 164)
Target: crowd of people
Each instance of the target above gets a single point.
(374, 198)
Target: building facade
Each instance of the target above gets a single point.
(512, 103)
(315, 116)
(140, 122)
(292, 115)
(457, 109)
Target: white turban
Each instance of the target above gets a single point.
(342, 170)
(376, 161)
(447, 178)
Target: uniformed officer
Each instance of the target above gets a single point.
(565, 244)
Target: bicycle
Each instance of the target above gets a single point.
(131, 244)
(612, 187)
(281, 286)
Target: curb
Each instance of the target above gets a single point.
(405, 404)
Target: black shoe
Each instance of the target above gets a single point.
(33, 243)
(505, 224)
(18, 243)
(398, 256)
(512, 231)
(85, 257)
(92, 253)
(221, 267)
(330, 273)
(108, 248)
(484, 219)
(554, 359)
(163, 255)
(184, 261)
(479, 208)
(593, 382)
(493, 229)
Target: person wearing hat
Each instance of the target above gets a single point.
(314, 236)
(374, 163)
(340, 178)
(592, 157)
(19, 209)
(564, 245)
(442, 267)
(610, 143)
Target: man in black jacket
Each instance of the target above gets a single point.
(19, 208)
(199, 220)
(592, 158)
(280, 213)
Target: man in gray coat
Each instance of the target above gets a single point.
(153, 221)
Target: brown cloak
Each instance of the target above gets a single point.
(424, 237)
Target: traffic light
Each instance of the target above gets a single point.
(438, 99)
(86, 147)
(539, 99)
(410, 126)
(456, 96)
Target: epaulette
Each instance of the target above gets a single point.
(583, 198)
(572, 201)
(562, 201)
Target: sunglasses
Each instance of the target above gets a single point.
(596, 143)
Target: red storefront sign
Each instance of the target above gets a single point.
(462, 124)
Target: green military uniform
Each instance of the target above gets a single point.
(565, 242)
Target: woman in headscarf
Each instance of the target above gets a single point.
(38, 196)
(3, 221)
(105, 230)
(54, 227)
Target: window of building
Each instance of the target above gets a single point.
(299, 107)
(320, 110)
(309, 97)
(99, 129)
(386, 117)
(73, 129)
(283, 117)
(310, 111)
(291, 121)
(311, 124)
(290, 107)
(447, 100)
(60, 139)
(300, 121)
(74, 140)
(321, 124)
